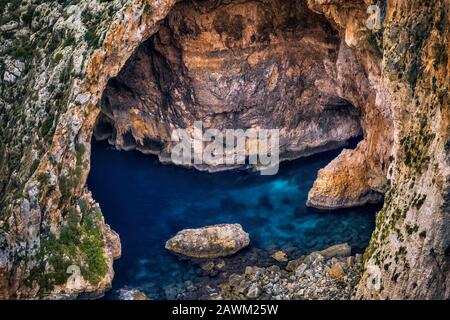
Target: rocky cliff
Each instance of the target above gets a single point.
(407, 63)
(56, 59)
(131, 70)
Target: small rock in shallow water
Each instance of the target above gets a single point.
(280, 256)
(248, 270)
(220, 265)
(293, 264)
(209, 266)
(209, 242)
(314, 258)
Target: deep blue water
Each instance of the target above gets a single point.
(147, 202)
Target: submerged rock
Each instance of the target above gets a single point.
(209, 242)
(280, 256)
(293, 264)
(131, 294)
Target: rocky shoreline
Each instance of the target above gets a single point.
(311, 277)
(330, 274)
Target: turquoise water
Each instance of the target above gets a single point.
(147, 202)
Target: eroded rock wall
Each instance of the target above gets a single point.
(407, 64)
(411, 243)
(357, 177)
(235, 65)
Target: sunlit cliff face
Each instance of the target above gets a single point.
(240, 64)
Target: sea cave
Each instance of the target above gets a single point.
(94, 94)
(231, 65)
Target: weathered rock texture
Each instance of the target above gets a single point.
(410, 248)
(411, 243)
(238, 65)
(357, 176)
(55, 62)
(209, 242)
(57, 57)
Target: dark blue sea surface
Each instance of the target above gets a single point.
(147, 202)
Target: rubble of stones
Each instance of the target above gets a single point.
(311, 277)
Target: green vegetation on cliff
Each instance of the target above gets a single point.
(80, 243)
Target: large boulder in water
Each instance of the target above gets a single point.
(209, 242)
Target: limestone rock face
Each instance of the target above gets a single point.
(409, 110)
(410, 248)
(55, 60)
(357, 177)
(344, 182)
(239, 65)
(209, 242)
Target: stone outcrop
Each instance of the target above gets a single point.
(48, 219)
(131, 294)
(357, 177)
(338, 250)
(209, 242)
(56, 59)
(343, 183)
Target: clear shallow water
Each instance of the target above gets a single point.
(147, 203)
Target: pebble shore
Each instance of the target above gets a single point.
(311, 277)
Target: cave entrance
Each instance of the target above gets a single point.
(231, 64)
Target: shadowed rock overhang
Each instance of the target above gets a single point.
(233, 64)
